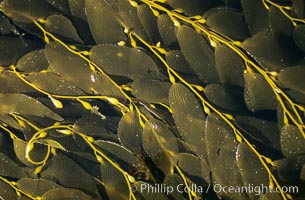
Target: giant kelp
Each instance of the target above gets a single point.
(100, 98)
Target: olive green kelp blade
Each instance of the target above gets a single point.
(198, 54)
(103, 22)
(188, 116)
(9, 168)
(293, 78)
(160, 144)
(25, 105)
(123, 61)
(33, 61)
(221, 149)
(65, 193)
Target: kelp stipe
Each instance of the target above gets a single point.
(104, 98)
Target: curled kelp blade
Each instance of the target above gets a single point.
(25, 105)
(221, 148)
(160, 144)
(63, 27)
(167, 30)
(230, 22)
(192, 7)
(223, 98)
(292, 142)
(36, 187)
(196, 169)
(293, 78)
(129, 132)
(298, 36)
(258, 93)
(149, 22)
(198, 54)
(37, 154)
(114, 182)
(103, 22)
(95, 126)
(266, 132)
(64, 169)
(281, 26)
(230, 66)
(8, 168)
(188, 116)
(256, 15)
(11, 49)
(123, 61)
(27, 10)
(150, 90)
(65, 193)
(249, 164)
(54, 84)
(77, 71)
(33, 61)
(124, 158)
(271, 53)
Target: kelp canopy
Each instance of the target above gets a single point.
(102, 99)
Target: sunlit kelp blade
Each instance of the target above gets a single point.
(62, 26)
(11, 49)
(293, 78)
(68, 173)
(103, 22)
(222, 97)
(195, 168)
(229, 22)
(258, 94)
(149, 22)
(221, 150)
(299, 35)
(167, 30)
(65, 193)
(256, 15)
(27, 10)
(129, 131)
(249, 164)
(230, 66)
(77, 71)
(22, 104)
(292, 142)
(271, 53)
(150, 90)
(188, 116)
(123, 61)
(8, 168)
(279, 23)
(192, 7)
(264, 131)
(54, 84)
(33, 61)
(95, 125)
(198, 54)
(114, 182)
(160, 144)
(36, 187)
